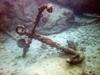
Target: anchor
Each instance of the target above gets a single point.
(32, 34)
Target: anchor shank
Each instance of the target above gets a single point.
(48, 41)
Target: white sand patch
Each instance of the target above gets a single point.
(54, 66)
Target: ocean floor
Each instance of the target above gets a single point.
(42, 59)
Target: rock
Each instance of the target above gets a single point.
(23, 12)
(64, 19)
(80, 6)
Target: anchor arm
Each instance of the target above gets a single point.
(41, 9)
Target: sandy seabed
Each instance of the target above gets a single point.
(45, 60)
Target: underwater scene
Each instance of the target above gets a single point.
(49, 37)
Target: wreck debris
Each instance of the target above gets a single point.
(76, 59)
(32, 34)
(25, 49)
(21, 43)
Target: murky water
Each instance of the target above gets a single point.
(60, 26)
